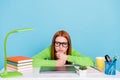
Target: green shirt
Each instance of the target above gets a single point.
(44, 59)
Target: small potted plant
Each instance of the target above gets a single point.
(82, 67)
(82, 70)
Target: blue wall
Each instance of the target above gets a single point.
(94, 25)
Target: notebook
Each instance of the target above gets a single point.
(60, 69)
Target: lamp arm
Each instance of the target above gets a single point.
(5, 50)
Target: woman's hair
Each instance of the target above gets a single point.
(65, 35)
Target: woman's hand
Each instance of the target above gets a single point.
(61, 56)
(61, 59)
(60, 62)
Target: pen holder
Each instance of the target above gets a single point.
(110, 68)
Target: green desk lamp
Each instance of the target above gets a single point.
(6, 74)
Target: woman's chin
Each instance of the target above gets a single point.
(61, 51)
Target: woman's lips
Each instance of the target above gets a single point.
(60, 50)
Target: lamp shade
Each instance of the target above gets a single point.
(21, 30)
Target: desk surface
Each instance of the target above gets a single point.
(92, 74)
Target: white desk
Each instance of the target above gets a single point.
(92, 74)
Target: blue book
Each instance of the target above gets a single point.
(19, 64)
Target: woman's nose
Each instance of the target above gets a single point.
(60, 46)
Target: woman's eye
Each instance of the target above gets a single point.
(57, 43)
(65, 44)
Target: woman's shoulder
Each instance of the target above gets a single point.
(48, 49)
(45, 51)
(75, 52)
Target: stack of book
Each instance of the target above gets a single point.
(19, 63)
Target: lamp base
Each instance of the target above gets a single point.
(11, 74)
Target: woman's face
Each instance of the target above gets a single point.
(61, 44)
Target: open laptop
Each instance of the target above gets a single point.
(60, 69)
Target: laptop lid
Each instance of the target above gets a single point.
(60, 69)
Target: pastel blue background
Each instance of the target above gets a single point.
(94, 25)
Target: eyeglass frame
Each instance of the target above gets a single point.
(61, 43)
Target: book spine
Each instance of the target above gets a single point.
(24, 61)
(19, 64)
(21, 67)
(13, 69)
(19, 61)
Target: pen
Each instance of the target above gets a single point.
(107, 58)
(115, 58)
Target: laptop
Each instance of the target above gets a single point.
(60, 69)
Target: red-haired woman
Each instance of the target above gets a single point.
(61, 53)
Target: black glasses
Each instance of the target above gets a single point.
(64, 44)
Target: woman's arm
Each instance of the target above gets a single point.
(79, 59)
(43, 58)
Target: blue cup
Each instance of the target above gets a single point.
(110, 68)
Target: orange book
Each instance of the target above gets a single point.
(19, 59)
